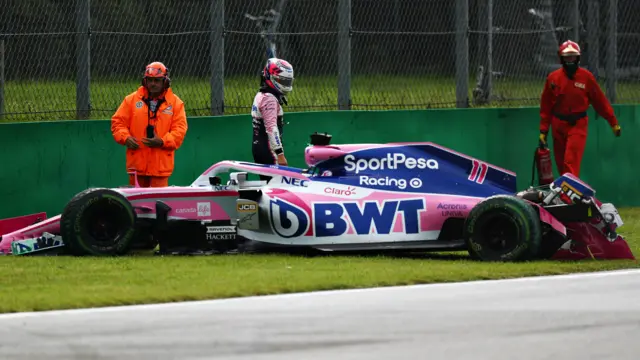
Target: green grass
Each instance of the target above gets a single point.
(44, 100)
(44, 283)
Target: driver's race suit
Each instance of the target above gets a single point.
(267, 115)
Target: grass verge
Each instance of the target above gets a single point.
(46, 283)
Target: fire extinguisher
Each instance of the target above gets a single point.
(542, 163)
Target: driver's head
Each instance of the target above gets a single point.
(278, 75)
(569, 53)
(156, 78)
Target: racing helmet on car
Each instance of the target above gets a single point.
(278, 75)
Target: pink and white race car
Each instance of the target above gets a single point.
(350, 198)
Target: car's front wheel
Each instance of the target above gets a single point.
(98, 222)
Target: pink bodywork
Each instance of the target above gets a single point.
(438, 208)
(590, 243)
(186, 203)
(15, 223)
(431, 218)
(590, 240)
(195, 202)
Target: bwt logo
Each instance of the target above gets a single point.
(334, 219)
(390, 162)
(287, 220)
(294, 181)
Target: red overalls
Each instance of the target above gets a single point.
(563, 107)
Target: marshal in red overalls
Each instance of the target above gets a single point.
(566, 96)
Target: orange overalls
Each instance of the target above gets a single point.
(563, 107)
(152, 165)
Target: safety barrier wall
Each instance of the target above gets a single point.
(45, 164)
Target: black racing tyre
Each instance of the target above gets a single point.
(98, 222)
(503, 228)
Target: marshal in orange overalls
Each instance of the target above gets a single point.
(566, 96)
(152, 124)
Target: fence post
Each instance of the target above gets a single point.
(217, 57)
(593, 37)
(612, 50)
(1, 78)
(489, 50)
(575, 19)
(462, 53)
(397, 45)
(344, 55)
(83, 59)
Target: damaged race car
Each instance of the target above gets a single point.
(350, 198)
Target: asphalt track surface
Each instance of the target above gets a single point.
(589, 316)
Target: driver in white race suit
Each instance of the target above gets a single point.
(266, 111)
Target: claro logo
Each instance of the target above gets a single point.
(344, 192)
(390, 162)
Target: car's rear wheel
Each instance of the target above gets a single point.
(503, 228)
(98, 222)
